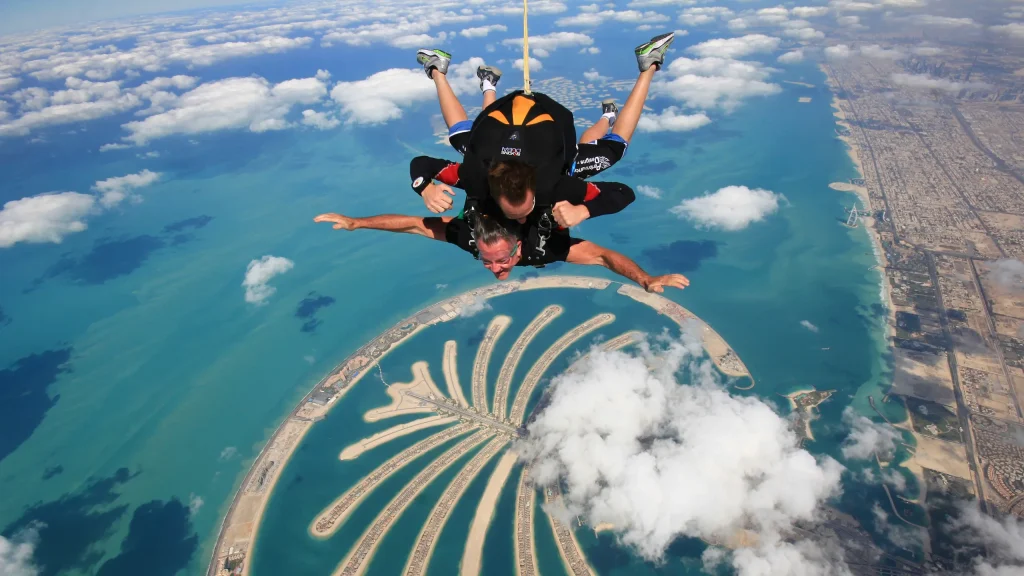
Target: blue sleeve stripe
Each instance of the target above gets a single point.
(460, 127)
(615, 138)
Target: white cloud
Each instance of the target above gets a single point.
(591, 19)
(943, 21)
(809, 11)
(849, 21)
(552, 41)
(853, 6)
(381, 96)
(838, 52)
(115, 190)
(113, 146)
(773, 15)
(735, 47)
(1008, 273)
(715, 91)
(900, 534)
(8, 83)
(807, 324)
(207, 55)
(712, 66)
(482, 31)
(707, 83)
(649, 191)
(322, 75)
(416, 40)
(475, 307)
(731, 208)
(633, 447)
(16, 553)
(867, 437)
(876, 51)
(590, 50)
(805, 34)
(534, 64)
(1011, 29)
(164, 83)
(927, 51)
(1003, 541)
(704, 15)
(927, 82)
(82, 100)
(792, 57)
(593, 75)
(195, 502)
(319, 120)
(44, 218)
(538, 7)
(671, 120)
(229, 104)
(259, 273)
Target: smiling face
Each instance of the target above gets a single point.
(500, 257)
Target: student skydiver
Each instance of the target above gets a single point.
(502, 167)
(498, 244)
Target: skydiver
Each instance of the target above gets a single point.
(498, 244)
(519, 187)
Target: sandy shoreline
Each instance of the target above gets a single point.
(240, 525)
(473, 554)
(862, 192)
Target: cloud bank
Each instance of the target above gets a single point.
(659, 460)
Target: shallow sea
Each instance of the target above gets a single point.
(167, 372)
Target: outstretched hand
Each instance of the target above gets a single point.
(658, 283)
(438, 197)
(340, 222)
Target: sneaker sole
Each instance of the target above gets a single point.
(656, 43)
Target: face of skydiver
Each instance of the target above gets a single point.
(500, 257)
(521, 211)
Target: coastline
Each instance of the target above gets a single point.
(239, 527)
(862, 192)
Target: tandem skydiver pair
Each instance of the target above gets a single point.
(523, 173)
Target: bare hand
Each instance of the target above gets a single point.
(340, 222)
(438, 197)
(658, 283)
(568, 215)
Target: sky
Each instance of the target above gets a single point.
(29, 15)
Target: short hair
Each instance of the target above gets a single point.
(490, 230)
(510, 180)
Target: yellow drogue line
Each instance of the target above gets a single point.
(526, 50)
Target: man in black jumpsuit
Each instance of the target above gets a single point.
(532, 130)
(500, 248)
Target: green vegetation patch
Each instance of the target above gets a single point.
(933, 419)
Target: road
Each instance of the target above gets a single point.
(468, 414)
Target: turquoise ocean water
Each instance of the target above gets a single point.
(140, 353)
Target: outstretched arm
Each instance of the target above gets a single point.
(430, 227)
(589, 253)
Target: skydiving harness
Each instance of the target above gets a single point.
(538, 228)
(538, 231)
